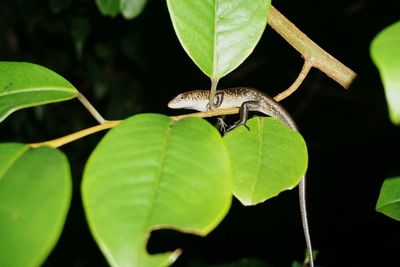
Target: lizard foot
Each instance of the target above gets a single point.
(222, 125)
(237, 124)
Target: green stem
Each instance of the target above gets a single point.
(91, 108)
(213, 91)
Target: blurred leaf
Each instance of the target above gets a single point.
(385, 52)
(297, 264)
(269, 158)
(132, 8)
(129, 8)
(133, 49)
(35, 193)
(80, 28)
(150, 173)
(389, 198)
(56, 6)
(25, 85)
(108, 7)
(218, 35)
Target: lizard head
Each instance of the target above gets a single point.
(196, 100)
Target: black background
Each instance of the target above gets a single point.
(129, 67)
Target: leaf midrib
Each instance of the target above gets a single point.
(13, 161)
(21, 91)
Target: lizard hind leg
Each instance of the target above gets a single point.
(244, 110)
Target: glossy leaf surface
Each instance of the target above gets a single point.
(385, 52)
(148, 173)
(218, 35)
(25, 85)
(389, 198)
(268, 159)
(35, 193)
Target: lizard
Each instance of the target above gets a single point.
(247, 99)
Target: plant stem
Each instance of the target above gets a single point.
(58, 142)
(310, 51)
(91, 108)
(214, 83)
(300, 78)
(77, 135)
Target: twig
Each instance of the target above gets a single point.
(300, 78)
(77, 135)
(310, 51)
(58, 142)
(207, 114)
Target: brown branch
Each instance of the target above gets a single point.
(310, 51)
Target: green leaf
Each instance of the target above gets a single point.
(218, 35)
(35, 193)
(269, 158)
(385, 52)
(132, 8)
(80, 28)
(25, 85)
(389, 198)
(108, 7)
(149, 173)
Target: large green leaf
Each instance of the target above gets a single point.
(218, 35)
(269, 158)
(35, 193)
(385, 52)
(26, 85)
(148, 173)
(389, 198)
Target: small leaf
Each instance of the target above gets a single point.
(389, 198)
(149, 173)
(35, 193)
(108, 7)
(268, 159)
(25, 85)
(385, 52)
(132, 8)
(218, 35)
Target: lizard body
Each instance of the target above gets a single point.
(247, 99)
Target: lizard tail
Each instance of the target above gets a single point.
(303, 211)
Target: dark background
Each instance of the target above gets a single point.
(130, 67)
